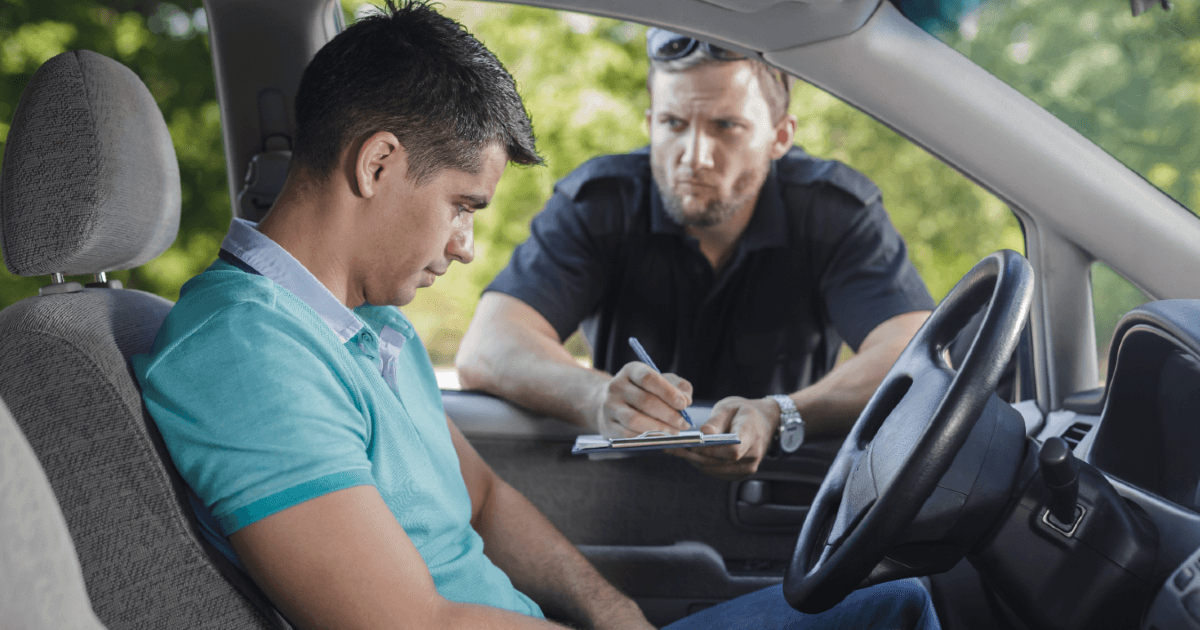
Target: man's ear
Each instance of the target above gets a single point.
(379, 158)
(785, 136)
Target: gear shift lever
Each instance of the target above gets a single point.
(1060, 471)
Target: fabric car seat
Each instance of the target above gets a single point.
(89, 185)
(41, 584)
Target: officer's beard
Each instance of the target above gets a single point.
(745, 191)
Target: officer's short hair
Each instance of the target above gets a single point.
(408, 70)
(776, 85)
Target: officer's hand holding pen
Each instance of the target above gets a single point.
(645, 357)
(638, 399)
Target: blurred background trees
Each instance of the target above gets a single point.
(1130, 84)
(166, 46)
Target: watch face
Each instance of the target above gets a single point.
(792, 437)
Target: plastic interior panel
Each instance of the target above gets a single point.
(1150, 428)
(650, 522)
(481, 415)
(257, 46)
(1177, 605)
(1178, 529)
(669, 582)
(650, 500)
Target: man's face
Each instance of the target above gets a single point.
(422, 229)
(711, 140)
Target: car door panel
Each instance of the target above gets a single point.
(673, 538)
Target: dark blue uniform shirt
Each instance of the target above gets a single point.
(819, 263)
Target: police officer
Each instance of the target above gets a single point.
(739, 262)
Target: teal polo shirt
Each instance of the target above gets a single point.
(269, 392)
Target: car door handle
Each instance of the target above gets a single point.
(771, 514)
(754, 505)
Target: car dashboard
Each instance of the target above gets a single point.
(1142, 431)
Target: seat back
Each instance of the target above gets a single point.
(41, 584)
(90, 185)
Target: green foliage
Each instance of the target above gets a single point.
(170, 53)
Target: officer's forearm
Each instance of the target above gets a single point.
(831, 405)
(511, 351)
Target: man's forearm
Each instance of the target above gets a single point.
(538, 379)
(544, 565)
(516, 355)
(342, 560)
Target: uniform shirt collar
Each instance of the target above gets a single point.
(767, 227)
(275, 263)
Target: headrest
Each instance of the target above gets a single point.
(89, 182)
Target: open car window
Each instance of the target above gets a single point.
(583, 79)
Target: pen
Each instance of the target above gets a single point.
(641, 352)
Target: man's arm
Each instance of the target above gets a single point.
(829, 407)
(538, 559)
(510, 350)
(342, 561)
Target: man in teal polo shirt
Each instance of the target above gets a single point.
(302, 409)
(297, 401)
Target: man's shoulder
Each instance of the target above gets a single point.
(633, 166)
(223, 297)
(798, 168)
(222, 286)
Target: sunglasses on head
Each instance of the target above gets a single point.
(667, 46)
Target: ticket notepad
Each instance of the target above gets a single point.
(650, 440)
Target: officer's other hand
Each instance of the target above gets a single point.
(754, 422)
(638, 399)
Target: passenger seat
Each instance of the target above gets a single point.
(89, 185)
(41, 584)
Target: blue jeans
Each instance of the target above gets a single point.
(899, 605)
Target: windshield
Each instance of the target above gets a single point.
(1129, 84)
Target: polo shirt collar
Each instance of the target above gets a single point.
(767, 227)
(275, 263)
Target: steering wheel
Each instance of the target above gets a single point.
(908, 435)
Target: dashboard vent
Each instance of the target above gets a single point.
(1075, 433)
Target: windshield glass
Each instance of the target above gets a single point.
(1129, 84)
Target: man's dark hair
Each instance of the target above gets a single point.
(420, 75)
(776, 85)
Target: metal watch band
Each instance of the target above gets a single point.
(791, 425)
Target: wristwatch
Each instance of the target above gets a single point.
(791, 426)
